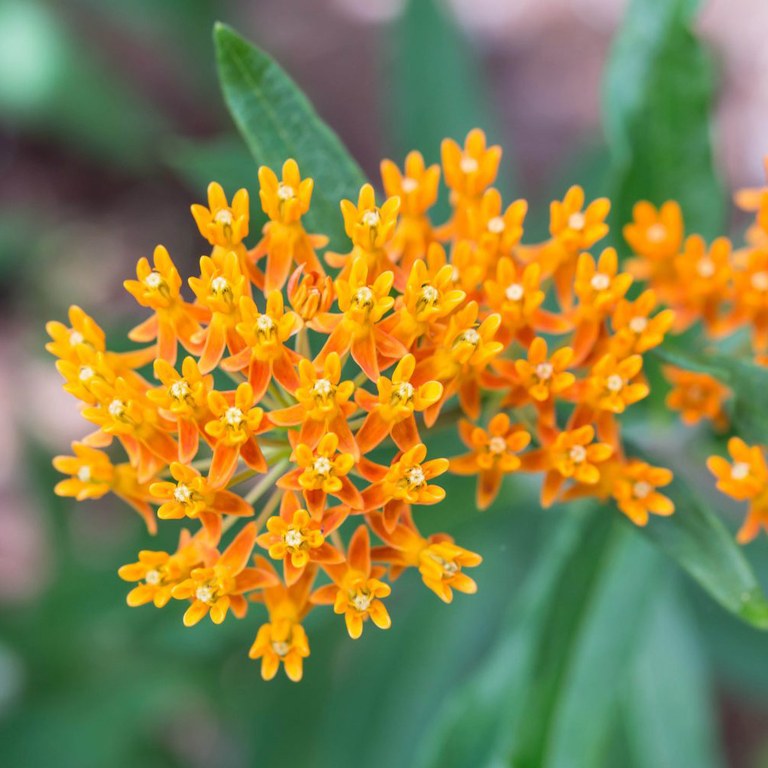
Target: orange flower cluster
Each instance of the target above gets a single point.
(725, 290)
(336, 380)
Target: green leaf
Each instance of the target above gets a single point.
(747, 381)
(657, 100)
(569, 641)
(277, 122)
(667, 708)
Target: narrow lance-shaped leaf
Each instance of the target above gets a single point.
(667, 708)
(569, 640)
(696, 539)
(277, 121)
(657, 101)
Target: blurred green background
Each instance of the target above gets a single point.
(585, 646)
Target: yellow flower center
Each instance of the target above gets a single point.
(322, 466)
(705, 267)
(363, 297)
(205, 594)
(641, 489)
(179, 389)
(322, 388)
(233, 416)
(600, 282)
(740, 470)
(759, 281)
(402, 392)
(656, 233)
(153, 280)
(497, 445)
(362, 600)
(293, 538)
(219, 285)
(470, 336)
(415, 478)
(182, 494)
(578, 454)
(280, 647)
(496, 225)
(153, 577)
(285, 192)
(468, 164)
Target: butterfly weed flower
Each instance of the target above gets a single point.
(289, 404)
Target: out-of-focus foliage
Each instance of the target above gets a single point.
(581, 639)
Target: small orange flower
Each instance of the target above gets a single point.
(702, 282)
(697, 396)
(183, 397)
(370, 228)
(635, 491)
(612, 384)
(160, 572)
(429, 297)
(265, 356)
(285, 241)
(635, 331)
(217, 588)
(576, 229)
(439, 560)
(359, 329)
(323, 405)
(219, 289)
(544, 377)
(124, 411)
(463, 354)
(191, 496)
(174, 321)
(515, 294)
(357, 591)
(572, 455)
(392, 411)
(282, 641)
(221, 224)
(497, 231)
(493, 454)
(417, 188)
(93, 475)
(744, 479)
(321, 472)
(656, 234)
(234, 428)
(297, 539)
(311, 295)
(471, 170)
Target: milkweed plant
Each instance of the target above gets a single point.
(286, 401)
